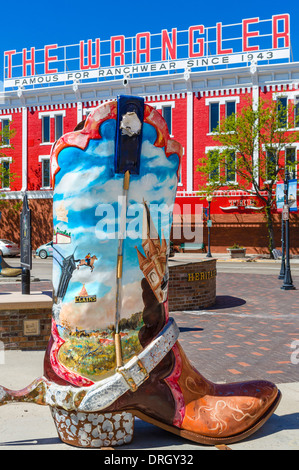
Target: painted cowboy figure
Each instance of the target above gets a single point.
(87, 259)
(119, 356)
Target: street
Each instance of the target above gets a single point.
(42, 268)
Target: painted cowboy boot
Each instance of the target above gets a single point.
(114, 352)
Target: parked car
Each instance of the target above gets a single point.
(45, 250)
(9, 248)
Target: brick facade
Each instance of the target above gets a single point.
(190, 116)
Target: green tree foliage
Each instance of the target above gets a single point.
(251, 152)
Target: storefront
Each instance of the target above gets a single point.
(192, 77)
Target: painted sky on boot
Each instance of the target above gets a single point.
(90, 190)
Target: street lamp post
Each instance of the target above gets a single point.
(287, 281)
(283, 264)
(209, 199)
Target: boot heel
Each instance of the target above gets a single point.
(93, 429)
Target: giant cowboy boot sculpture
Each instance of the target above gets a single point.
(114, 352)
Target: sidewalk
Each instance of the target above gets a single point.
(30, 427)
(225, 257)
(252, 332)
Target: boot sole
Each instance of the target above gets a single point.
(201, 439)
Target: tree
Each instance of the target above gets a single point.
(250, 153)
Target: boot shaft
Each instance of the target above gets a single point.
(112, 215)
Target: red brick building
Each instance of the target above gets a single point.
(189, 94)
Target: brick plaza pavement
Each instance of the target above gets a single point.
(246, 335)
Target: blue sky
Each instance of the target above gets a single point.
(35, 23)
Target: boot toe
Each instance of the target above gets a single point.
(231, 410)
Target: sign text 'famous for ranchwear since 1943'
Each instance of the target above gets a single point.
(198, 47)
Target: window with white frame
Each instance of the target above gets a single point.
(5, 128)
(282, 106)
(45, 162)
(291, 160)
(167, 115)
(214, 116)
(5, 172)
(215, 105)
(46, 129)
(230, 167)
(46, 117)
(271, 164)
(214, 172)
(166, 108)
(58, 126)
(230, 108)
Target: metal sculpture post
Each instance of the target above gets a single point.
(283, 263)
(287, 281)
(26, 248)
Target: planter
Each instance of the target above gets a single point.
(237, 252)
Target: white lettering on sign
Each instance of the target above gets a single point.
(241, 202)
(165, 52)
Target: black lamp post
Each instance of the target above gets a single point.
(287, 281)
(283, 264)
(209, 199)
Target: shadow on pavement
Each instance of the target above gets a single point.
(226, 301)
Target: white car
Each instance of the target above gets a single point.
(9, 248)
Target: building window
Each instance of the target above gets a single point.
(271, 165)
(282, 117)
(5, 170)
(230, 168)
(5, 132)
(5, 129)
(46, 129)
(214, 165)
(47, 118)
(167, 115)
(45, 162)
(230, 108)
(58, 126)
(166, 111)
(214, 116)
(290, 161)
